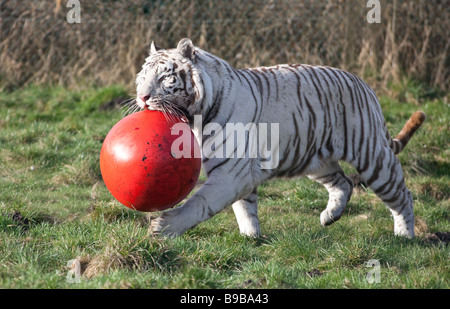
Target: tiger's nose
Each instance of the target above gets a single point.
(145, 98)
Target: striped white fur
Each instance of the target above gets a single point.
(324, 115)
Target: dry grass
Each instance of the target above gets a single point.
(79, 173)
(132, 249)
(38, 45)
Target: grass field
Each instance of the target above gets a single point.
(54, 207)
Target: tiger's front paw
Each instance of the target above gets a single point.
(168, 224)
(327, 218)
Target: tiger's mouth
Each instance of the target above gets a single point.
(170, 108)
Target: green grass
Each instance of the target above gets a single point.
(50, 139)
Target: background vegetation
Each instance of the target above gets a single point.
(61, 84)
(38, 45)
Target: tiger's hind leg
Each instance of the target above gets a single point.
(385, 178)
(246, 212)
(339, 187)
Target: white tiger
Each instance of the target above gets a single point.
(324, 115)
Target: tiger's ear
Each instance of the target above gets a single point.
(154, 48)
(186, 48)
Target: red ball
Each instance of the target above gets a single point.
(140, 167)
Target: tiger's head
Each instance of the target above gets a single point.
(169, 81)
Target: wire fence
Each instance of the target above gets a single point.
(40, 43)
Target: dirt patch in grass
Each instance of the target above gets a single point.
(438, 237)
(22, 222)
(108, 261)
(314, 273)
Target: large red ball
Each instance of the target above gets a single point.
(139, 166)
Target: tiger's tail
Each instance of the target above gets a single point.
(411, 126)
